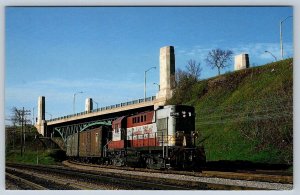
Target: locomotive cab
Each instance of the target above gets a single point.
(176, 127)
(176, 124)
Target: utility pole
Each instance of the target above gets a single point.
(21, 117)
(33, 116)
(14, 135)
(22, 122)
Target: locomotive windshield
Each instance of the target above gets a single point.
(184, 119)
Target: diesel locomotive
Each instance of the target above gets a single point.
(157, 139)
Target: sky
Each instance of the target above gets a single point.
(104, 51)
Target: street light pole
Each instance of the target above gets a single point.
(145, 95)
(95, 103)
(157, 85)
(50, 115)
(74, 100)
(281, 42)
(271, 55)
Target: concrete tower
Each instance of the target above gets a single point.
(167, 72)
(241, 61)
(88, 104)
(41, 115)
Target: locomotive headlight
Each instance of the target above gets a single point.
(195, 134)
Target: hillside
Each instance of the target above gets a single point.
(35, 150)
(245, 115)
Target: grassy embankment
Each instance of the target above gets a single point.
(34, 151)
(245, 115)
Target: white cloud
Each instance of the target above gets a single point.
(255, 50)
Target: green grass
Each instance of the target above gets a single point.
(30, 157)
(247, 114)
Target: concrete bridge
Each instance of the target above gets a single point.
(67, 125)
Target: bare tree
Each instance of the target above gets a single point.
(20, 117)
(218, 58)
(191, 73)
(185, 80)
(180, 75)
(193, 69)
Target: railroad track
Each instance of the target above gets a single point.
(241, 175)
(23, 184)
(43, 181)
(136, 179)
(88, 177)
(204, 180)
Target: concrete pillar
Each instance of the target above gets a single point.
(241, 61)
(88, 104)
(41, 115)
(167, 72)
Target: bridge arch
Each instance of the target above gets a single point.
(68, 130)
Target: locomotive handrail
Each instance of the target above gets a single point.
(105, 148)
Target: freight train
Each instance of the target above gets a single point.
(156, 139)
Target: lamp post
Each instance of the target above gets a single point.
(50, 115)
(33, 118)
(95, 103)
(146, 80)
(281, 42)
(271, 55)
(74, 100)
(157, 85)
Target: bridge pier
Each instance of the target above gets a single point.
(41, 123)
(88, 104)
(241, 61)
(166, 75)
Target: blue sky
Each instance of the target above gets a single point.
(104, 51)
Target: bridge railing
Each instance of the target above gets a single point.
(138, 101)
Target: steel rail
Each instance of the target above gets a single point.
(34, 186)
(60, 181)
(113, 179)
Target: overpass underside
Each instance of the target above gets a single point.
(68, 127)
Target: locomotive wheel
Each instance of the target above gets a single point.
(149, 162)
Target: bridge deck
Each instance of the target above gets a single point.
(105, 110)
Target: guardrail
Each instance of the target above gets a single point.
(138, 101)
